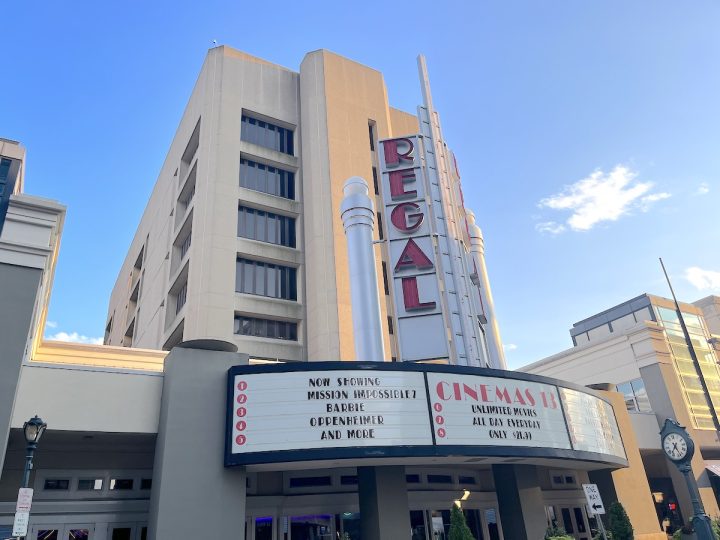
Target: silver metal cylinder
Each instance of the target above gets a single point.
(477, 248)
(358, 216)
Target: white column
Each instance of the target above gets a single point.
(477, 247)
(358, 215)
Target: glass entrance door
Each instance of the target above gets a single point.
(435, 524)
(316, 527)
(574, 520)
(127, 531)
(62, 532)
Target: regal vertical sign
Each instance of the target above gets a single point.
(422, 329)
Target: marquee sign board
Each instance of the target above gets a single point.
(329, 409)
(476, 410)
(591, 423)
(344, 410)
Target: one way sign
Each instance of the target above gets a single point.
(594, 500)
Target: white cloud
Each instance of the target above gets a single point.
(550, 227)
(600, 197)
(510, 346)
(74, 337)
(703, 279)
(703, 189)
(51, 324)
(647, 201)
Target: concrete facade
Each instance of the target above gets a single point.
(28, 249)
(639, 348)
(178, 281)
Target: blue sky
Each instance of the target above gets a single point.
(587, 133)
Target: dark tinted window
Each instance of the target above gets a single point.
(439, 479)
(252, 326)
(272, 180)
(266, 227)
(265, 279)
(121, 484)
(311, 481)
(266, 134)
(55, 484)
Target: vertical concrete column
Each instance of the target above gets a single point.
(384, 508)
(666, 400)
(520, 501)
(358, 217)
(193, 494)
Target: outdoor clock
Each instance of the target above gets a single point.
(676, 442)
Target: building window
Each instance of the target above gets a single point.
(562, 479)
(268, 179)
(266, 134)
(636, 398)
(4, 169)
(349, 480)
(375, 181)
(266, 227)
(90, 484)
(439, 479)
(310, 481)
(56, 484)
(371, 134)
(146, 483)
(391, 330)
(265, 279)
(381, 236)
(121, 484)
(412, 478)
(181, 298)
(265, 328)
(698, 402)
(185, 246)
(385, 279)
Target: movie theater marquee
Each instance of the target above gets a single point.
(336, 410)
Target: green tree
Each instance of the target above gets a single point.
(458, 528)
(619, 522)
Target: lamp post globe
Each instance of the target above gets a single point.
(33, 430)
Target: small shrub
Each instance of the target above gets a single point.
(557, 533)
(619, 522)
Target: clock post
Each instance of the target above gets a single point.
(680, 448)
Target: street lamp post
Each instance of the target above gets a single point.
(33, 429)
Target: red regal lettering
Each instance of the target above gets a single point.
(413, 256)
(400, 218)
(392, 156)
(411, 296)
(398, 179)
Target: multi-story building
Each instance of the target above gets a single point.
(240, 257)
(639, 347)
(242, 239)
(12, 173)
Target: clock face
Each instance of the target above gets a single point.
(675, 446)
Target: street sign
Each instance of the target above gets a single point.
(594, 501)
(20, 525)
(24, 500)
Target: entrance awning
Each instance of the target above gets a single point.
(713, 466)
